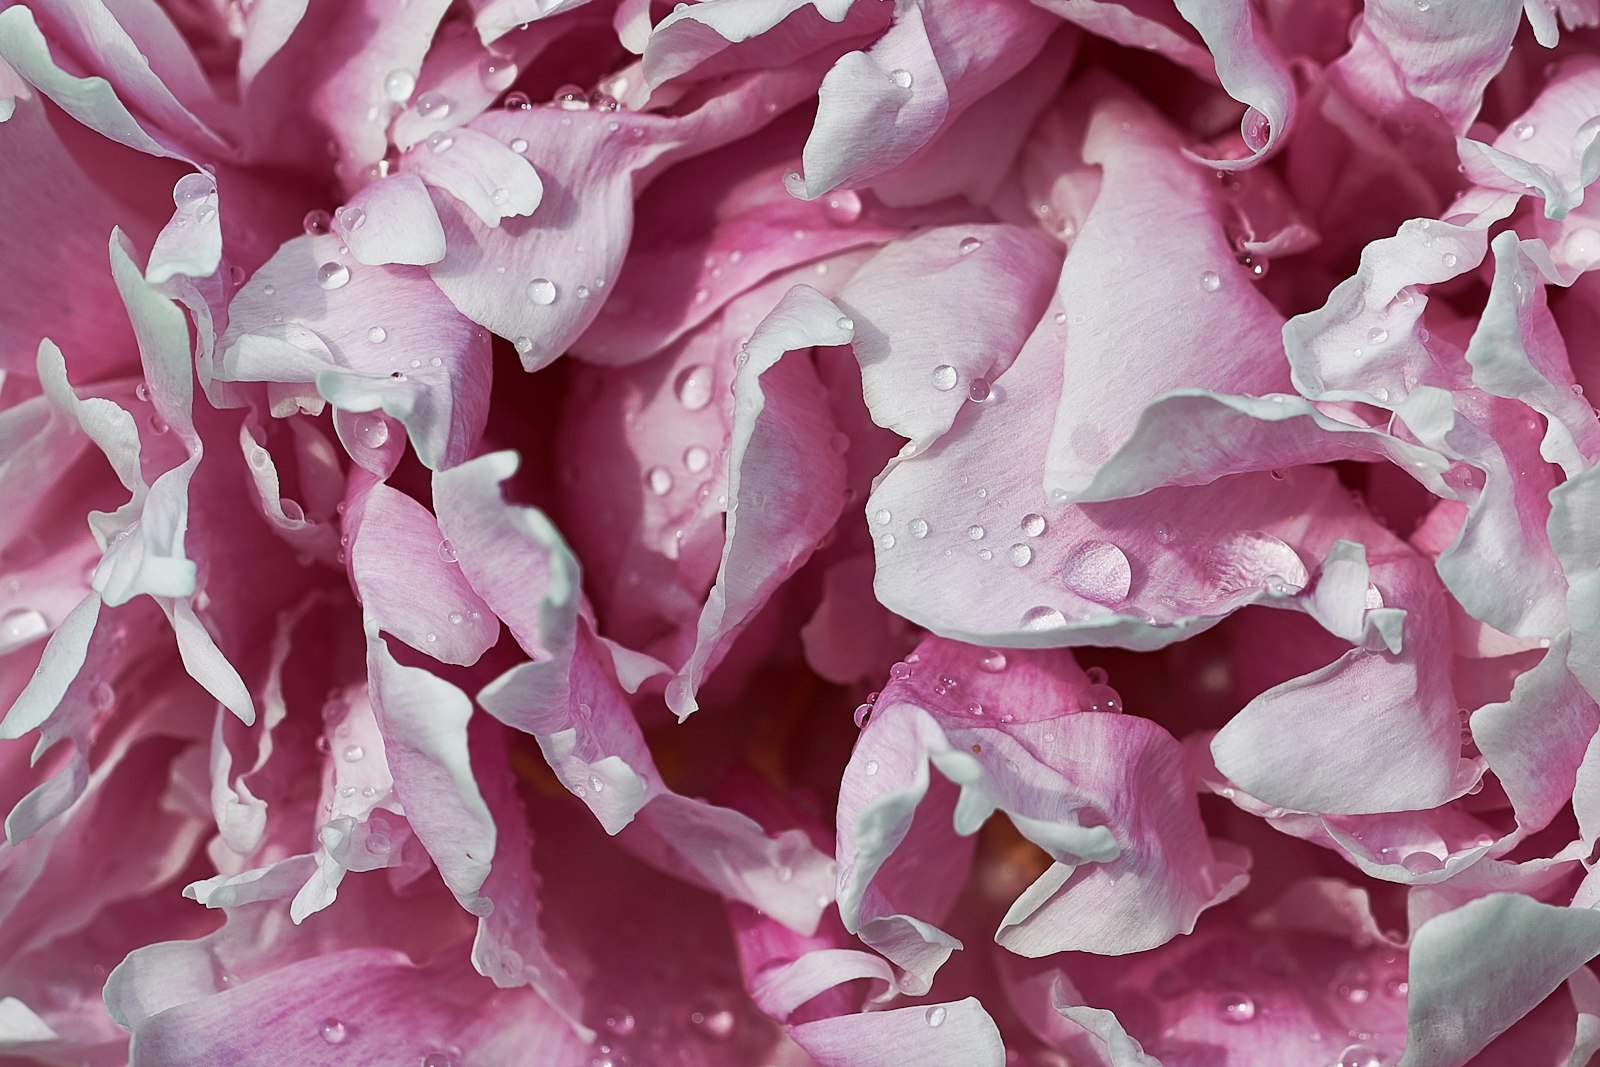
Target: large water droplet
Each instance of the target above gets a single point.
(447, 551)
(542, 291)
(1522, 130)
(333, 1031)
(1032, 524)
(372, 430)
(1256, 129)
(918, 528)
(1098, 571)
(944, 377)
(571, 98)
(901, 77)
(1210, 281)
(693, 386)
(978, 391)
(696, 459)
(1242, 562)
(842, 207)
(193, 189)
(398, 85)
(316, 224)
(993, 661)
(1021, 555)
(1100, 697)
(497, 72)
(935, 1015)
(353, 753)
(1237, 1008)
(1041, 618)
(377, 335)
(333, 275)
(351, 218)
(20, 627)
(659, 479)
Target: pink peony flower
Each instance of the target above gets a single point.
(775, 534)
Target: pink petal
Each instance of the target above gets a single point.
(960, 1034)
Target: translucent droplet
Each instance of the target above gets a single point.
(499, 197)
(1523, 131)
(582, 292)
(447, 551)
(1210, 281)
(944, 377)
(901, 77)
(193, 189)
(497, 72)
(1032, 524)
(351, 218)
(1100, 697)
(1243, 562)
(842, 207)
(969, 245)
(20, 627)
(433, 104)
(886, 541)
(1042, 618)
(353, 753)
(935, 1015)
(696, 459)
(1098, 571)
(993, 661)
(1422, 863)
(975, 532)
(333, 1031)
(1163, 533)
(871, 767)
(882, 516)
(863, 713)
(1377, 335)
(693, 386)
(717, 1023)
(316, 223)
(439, 141)
(372, 430)
(1360, 1056)
(659, 479)
(377, 335)
(333, 275)
(523, 345)
(542, 291)
(1256, 129)
(1423, 5)
(1237, 1008)
(571, 98)
(1021, 555)
(398, 85)
(1448, 259)
(918, 528)
(845, 323)
(978, 390)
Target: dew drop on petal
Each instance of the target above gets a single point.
(398, 85)
(1256, 129)
(1033, 524)
(993, 661)
(886, 541)
(871, 767)
(1100, 697)
(978, 391)
(333, 1031)
(975, 532)
(333, 275)
(1041, 618)
(659, 479)
(1098, 571)
(944, 377)
(1210, 281)
(918, 528)
(351, 218)
(842, 207)
(1377, 335)
(1242, 562)
(353, 753)
(571, 98)
(935, 1015)
(523, 344)
(542, 291)
(316, 223)
(1448, 259)
(447, 551)
(693, 386)
(1237, 1008)
(372, 430)
(845, 323)
(969, 245)
(882, 516)
(21, 626)
(1360, 1056)
(901, 77)
(377, 335)
(1021, 555)
(696, 459)
(436, 1059)
(1522, 130)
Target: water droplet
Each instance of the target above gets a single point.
(1041, 618)
(993, 661)
(571, 98)
(439, 141)
(597, 783)
(372, 430)
(347, 791)
(333, 275)
(901, 77)
(935, 1015)
(499, 197)
(693, 386)
(398, 85)
(1448, 259)
(1256, 129)
(620, 1022)
(882, 516)
(1523, 131)
(886, 541)
(1210, 281)
(433, 105)
(944, 377)
(351, 218)
(863, 713)
(1100, 697)
(1163, 533)
(969, 245)
(978, 391)
(1377, 335)
(582, 292)
(377, 335)
(842, 207)
(447, 551)
(1098, 571)
(20, 627)
(1033, 524)
(659, 479)
(871, 766)
(1021, 555)
(497, 72)
(523, 345)
(436, 1059)
(333, 1031)
(1423, 5)
(353, 753)
(542, 291)
(1360, 1056)
(1243, 562)
(696, 459)
(975, 532)
(918, 528)
(316, 223)
(1237, 1008)
(845, 323)
(1422, 863)
(193, 189)
(715, 1022)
